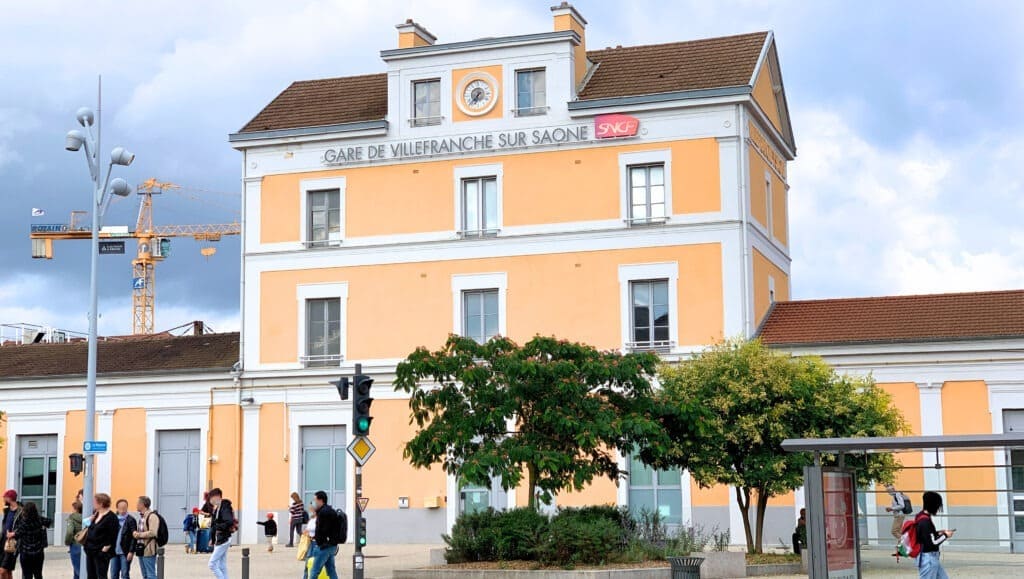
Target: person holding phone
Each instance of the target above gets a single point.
(928, 564)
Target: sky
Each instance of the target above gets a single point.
(906, 117)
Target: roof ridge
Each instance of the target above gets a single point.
(679, 42)
(337, 78)
(906, 296)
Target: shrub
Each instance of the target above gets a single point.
(496, 536)
(576, 538)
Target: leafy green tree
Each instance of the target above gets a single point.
(553, 410)
(758, 397)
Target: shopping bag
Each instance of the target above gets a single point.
(303, 550)
(309, 567)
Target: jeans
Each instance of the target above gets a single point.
(148, 565)
(323, 560)
(929, 567)
(294, 529)
(75, 551)
(191, 540)
(32, 565)
(120, 567)
(219, 561)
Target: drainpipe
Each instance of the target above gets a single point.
(744, 181)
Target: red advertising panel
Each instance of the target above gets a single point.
(615, 125)
(840, 525)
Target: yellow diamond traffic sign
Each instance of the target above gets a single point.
(361, 449)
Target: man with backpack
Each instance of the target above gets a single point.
(331, 531)
(152, 529)
(900, 507)
(223, 526)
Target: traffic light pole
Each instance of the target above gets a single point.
(358, 562)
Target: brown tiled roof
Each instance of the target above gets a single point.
(636, 70)
(679, 66)
(151, 354)
(915, 318)
(329, 101)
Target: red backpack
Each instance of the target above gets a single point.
(909, 545)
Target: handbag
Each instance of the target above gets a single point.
(303, 549)
(81, 536)
(11, 545)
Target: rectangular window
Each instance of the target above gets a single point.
(480, 314)
(480, 206)
(323, 332)
(531, 95)
(647, 193)
(769, 218)
(650, 316)
(652, 491)
(324, 224)
(426, 102)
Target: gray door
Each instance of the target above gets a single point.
(37, 475)
(324, 463)
(1013, 421)
(177, 478)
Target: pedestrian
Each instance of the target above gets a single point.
(928, 564)
(101, 538)
(74, 526)
(297, 516)
(31, 536)
(328, 536)
(191, 527)
(124, 549)
(149, 527)
(800, 533)
(12, 509)
(223, 528)
(900, 507)
(269, 531)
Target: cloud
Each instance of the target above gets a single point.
(14, 122)
(914, 218)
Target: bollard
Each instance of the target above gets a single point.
(245, 562)
(160, 563)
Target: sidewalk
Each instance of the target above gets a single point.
(880, 563)
(381, 560)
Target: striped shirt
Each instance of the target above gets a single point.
(295, 511)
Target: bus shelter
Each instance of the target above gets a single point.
(831, 495)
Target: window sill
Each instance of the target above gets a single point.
(478, 233)
(425, 121)
(658, 347)
(322, 361)
(531, 112)
(321, 244)
(646, 221)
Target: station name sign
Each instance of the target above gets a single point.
(605, 127)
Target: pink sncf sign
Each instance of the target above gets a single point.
(615, 125)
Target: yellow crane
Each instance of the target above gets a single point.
(152, 246)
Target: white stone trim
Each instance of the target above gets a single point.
(644, 271)
(480, 281)
(930, 394)
(104, 465)
(325, 413)
(306, 292)
(29, 424)
(663, 156)
(177, 419)
(308, 185)
(461, 172)
(250, 474)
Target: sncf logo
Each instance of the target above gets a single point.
(615, 125)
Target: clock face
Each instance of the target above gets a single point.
(479, 94)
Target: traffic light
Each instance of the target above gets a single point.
(77, 463)
(361, 402)
(342, 385)
(361, 535)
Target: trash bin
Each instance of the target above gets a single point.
(685, 567)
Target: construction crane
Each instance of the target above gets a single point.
(152, 246)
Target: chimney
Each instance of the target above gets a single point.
(411, 35)
(198, 328)
(568, 18)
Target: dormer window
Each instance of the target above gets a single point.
(426, 102)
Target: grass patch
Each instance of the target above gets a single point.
(771, 558)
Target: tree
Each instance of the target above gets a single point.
(756, 398)
(554, 410)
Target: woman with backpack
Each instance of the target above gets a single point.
(74, 527)
(928, 564)
(31, 536)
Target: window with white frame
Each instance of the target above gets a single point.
(531, 95)
(426, 102)
(771, 290)
(323, 332)
(647, 199)
(323, 225)
(479, 206)
(480, 314)
(655, 491)
(650, 323)
(769, 217)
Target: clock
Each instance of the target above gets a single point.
(477, 95)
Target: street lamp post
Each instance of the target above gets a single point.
(102, 191)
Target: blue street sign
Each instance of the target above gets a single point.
(138, 283)
(94, 446)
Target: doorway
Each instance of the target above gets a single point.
(177, 478)
(37, 475)
(324, 464)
